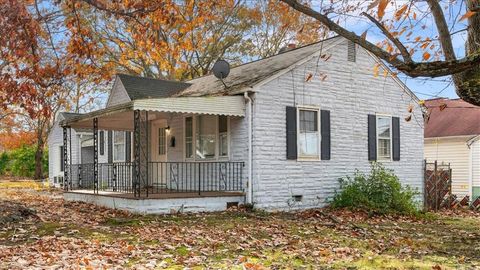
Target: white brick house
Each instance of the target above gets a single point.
(291, 125)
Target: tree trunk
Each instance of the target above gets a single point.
(39, 160)
(467, 83)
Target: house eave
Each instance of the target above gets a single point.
(120, 117)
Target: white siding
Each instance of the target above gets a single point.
(453, 151)
(55, 140)
(118, 94)
(351, 92)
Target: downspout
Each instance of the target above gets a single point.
(470, 143)
(249, 161)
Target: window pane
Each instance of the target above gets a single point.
(223, 144)
(383, 126)
(188, 137)
(205, 136)
(119, 146)
(308, 136)
(119, 137)
(222, 124)
(119, 150)
(384, 148)
(308, 144)
(161, 141)
(308, 120)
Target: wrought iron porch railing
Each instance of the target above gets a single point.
(158, 177)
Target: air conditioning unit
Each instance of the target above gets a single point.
(58, 180)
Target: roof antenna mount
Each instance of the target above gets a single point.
(221, 69)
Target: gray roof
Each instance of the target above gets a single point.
(143, 87)
(68, 115)
(249, 74)
(240, 77)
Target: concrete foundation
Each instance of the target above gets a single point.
(157, 205)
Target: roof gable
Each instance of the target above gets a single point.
(252, 73)
(451, 117)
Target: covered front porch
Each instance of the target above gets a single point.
(165, 148)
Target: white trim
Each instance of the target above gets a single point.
(380, 115)
(317, 110)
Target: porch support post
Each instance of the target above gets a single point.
(70, 177)
(95, 155)
(65, 159)
(136, 153)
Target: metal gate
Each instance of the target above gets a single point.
(438, 185)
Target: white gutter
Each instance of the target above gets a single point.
(249, 161)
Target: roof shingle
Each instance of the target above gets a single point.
(451, 117)
(143, 87)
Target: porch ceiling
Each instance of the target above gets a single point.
(120, 117)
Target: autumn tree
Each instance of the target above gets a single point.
(183, 39)
(409, 45)
(36, 65)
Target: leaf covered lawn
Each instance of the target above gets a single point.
(39, 230)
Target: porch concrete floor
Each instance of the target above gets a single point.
(161, 194)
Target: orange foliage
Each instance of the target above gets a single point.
(12, 140)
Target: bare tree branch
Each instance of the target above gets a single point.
(442, 28)
(413, 69)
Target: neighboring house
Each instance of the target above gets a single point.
(452, 136)
(277, 132)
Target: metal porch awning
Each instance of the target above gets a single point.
(120, 117)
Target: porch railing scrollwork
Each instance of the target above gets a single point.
(162, 177)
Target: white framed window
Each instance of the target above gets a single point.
(308, 133)
(384, 137)
(118, 146)
(206, 137)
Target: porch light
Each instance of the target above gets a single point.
(167, 128)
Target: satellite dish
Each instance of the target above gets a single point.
(221, 69)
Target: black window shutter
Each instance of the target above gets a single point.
(110, 146)
(102, 142)
(128, 146)
(396, 138)
(291, 132)
(62, 161)
(325, 131)
(372, 137)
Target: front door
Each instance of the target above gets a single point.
(158, 169)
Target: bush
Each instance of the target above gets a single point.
(379, 192)
(20, 162)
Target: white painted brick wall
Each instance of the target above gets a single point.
(350, 92)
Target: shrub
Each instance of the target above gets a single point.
(380, 192)
(20, 162)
